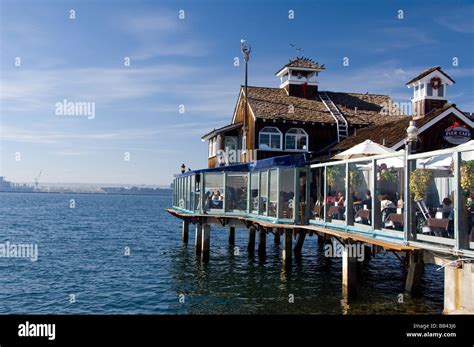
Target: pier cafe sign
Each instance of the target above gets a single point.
(457, 134)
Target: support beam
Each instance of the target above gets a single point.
(251, 244)
(414, 272)
(198, 239)
(262, 242)
(299, 242)
(185, 232)
(206, 241)
(232, 236)
(349, 273)
(459, 289)
(287, 245)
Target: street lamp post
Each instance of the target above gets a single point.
(409, 205)
(246, 49)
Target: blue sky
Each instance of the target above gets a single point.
(190, 61)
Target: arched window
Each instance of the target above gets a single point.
(270, 138)
(296, 140)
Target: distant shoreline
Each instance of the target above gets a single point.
(89, 193)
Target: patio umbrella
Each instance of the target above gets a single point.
(444, 161)
(364, 149)
(468, 155)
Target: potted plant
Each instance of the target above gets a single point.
(420, 180)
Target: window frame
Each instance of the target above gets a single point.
(296, 137)
(270, 134)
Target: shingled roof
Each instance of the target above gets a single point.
(390, 133)
(427, 72)
(275, 103)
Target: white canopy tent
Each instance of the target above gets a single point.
(364, 149)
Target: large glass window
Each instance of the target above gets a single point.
(273, 193)
(254, 192)
(431, 186)
(214, 192)
(336, 188)
(316, 193)
(270, 138)
(360, 181)
(197, 192)
(390, 191)
(466, 196)
(296, 140)
(287, 193)
(263, 203)
(236, 192)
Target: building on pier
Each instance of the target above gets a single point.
(417, 199)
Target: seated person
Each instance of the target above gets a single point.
(367, 201)
(447, 208)
(386, 203)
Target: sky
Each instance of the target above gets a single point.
(182, 81)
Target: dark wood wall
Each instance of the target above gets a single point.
(432, 138)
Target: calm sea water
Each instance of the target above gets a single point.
(82, 253)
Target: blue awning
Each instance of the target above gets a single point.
(286, 161)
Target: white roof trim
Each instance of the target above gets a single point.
(435, 120)
(237, 106)
(427, 78)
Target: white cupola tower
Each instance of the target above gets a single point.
(429, 90)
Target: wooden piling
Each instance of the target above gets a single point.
(206, 241)
(185, 232)
(231, 236)
(262, 242)
(299, 242)
(198, 239)
(251, 244)
(349, 274)
(414, 272)
(287, 245)
(276, 238)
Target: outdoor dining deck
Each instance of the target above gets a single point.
(364, 196)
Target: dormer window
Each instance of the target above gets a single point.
(296, 139)
(270, 138)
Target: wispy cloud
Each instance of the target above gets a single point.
(459, 20)
(402, 37)
(161, 34)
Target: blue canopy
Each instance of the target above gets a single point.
(288, 161)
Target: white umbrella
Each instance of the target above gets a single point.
(364, 149)
(439, 162)
(444, 161)
(467, 155)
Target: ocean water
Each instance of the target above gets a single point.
(82, 256)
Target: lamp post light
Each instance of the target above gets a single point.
(412, 137)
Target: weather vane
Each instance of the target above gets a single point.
(246, 49)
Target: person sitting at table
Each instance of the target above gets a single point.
(340, 202)
(447, 208)
(330, 199)
(366, 202)
(385, 202)
(217, 196)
